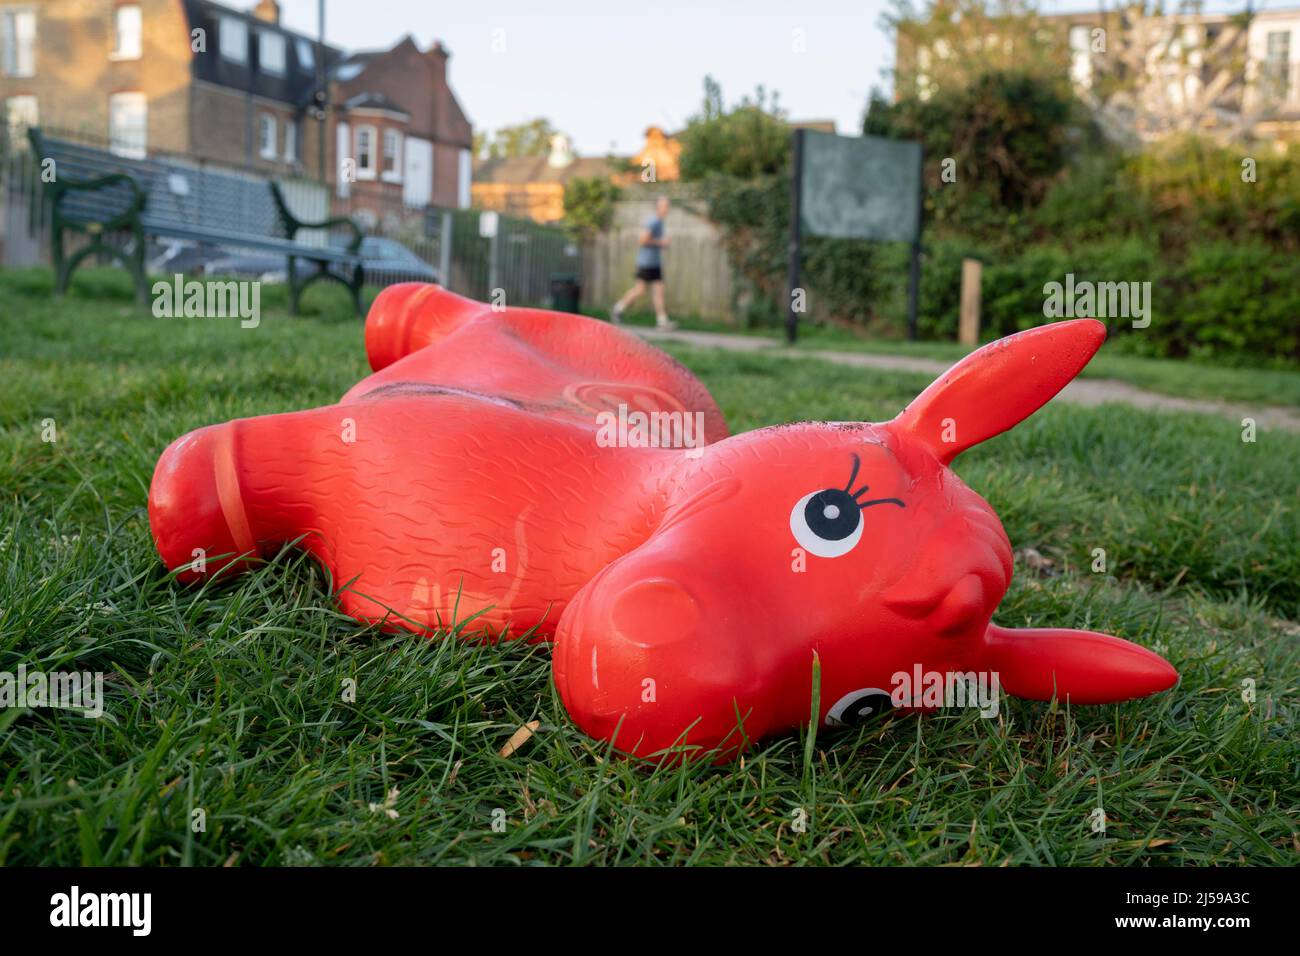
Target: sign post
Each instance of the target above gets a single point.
(792, 274)
(855, 187)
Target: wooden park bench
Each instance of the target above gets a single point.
(98, 194)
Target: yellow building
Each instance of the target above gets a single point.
(532, 187)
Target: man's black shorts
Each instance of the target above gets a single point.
(650, 274)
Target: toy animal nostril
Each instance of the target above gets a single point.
(653, 612)
(964, 605)
(948, 610)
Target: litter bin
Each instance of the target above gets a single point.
(565, 292)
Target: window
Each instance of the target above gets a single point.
(266, 136)
(291, 141)
(365, 152)
(306, 55)
(270, 52)
(392, 168)
(127, 26)
(18, 42)
(1277, 63)
(128, 124)
(463, 180)
(234, 40)
(20, 115)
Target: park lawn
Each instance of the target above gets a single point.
(227, 699)
(1278, 386)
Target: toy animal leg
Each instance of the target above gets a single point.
(225, 495)
(410, 315)
(555, 363)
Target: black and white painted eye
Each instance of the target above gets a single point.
(859, 706)
(828, 523)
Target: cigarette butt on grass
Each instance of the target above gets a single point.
(520, 737)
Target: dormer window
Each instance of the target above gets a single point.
(270, 52)
(306, 55)
(234, 40)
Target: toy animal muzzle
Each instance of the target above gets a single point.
(688, 591)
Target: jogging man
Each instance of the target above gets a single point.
(649, 269)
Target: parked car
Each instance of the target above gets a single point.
(385, 261)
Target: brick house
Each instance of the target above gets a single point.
(237, 87)
(397, 119)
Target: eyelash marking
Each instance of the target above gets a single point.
(864, 505)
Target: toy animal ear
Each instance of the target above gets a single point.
(1082, 666)
(998, 386)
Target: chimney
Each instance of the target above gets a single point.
(438, 55)
(561, 152)
(267, 10)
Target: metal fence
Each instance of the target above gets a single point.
(482, 255)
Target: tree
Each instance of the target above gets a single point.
(589, 204)
(522, 139)
(950, 43)
(1159, 74)
(1144, 73)
(993, 147)
(750, 139)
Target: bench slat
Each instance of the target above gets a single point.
(286, 246)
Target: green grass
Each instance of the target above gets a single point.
(1199, 380)
(230, 699)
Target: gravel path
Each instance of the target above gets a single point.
(1082, 391)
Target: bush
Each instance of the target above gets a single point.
(1230, 300)
(1007, 135)
(1037, 197)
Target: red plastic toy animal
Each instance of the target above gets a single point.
(496, 462)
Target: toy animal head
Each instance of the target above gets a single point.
(851, 543)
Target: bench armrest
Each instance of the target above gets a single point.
(60, 186)
(292, 223)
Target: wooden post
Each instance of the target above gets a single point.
(968, 326)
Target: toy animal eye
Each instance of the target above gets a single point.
(859, 706)
(827, 523)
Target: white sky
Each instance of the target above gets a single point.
(603, 70)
